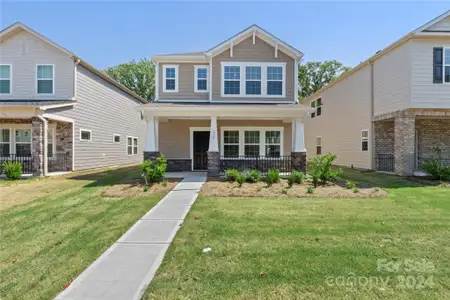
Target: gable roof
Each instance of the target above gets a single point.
(419, 32)
(428, 27)
(235, 39)
(18, 27)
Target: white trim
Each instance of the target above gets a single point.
(176, 78)
(242, 79)
(132, 145)
(52, 127)
(253, 102)
(58, 118)
(444, 64)
(276, 50)
(53, 79)
(191, 142)
(296, 86)
(50, 106)
(365, 139)
(157, 81)
(254, 36)
(210, 77)
(262, 138)
(114, 138)
(231, 49)
(90, 135)
(16, 127)
(196, 67)
(10, 79)
(183, 101)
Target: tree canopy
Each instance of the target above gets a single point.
(314, 75)
(138, 76)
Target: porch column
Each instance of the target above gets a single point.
(404, 145)
(151, 150)
(213, 150)
(37, 140)
(298, 154)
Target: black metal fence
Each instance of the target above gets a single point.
(262, 164)
(25, 161)
(59, 162)
(385, 162)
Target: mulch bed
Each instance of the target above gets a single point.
(224, 188)
(136, 188)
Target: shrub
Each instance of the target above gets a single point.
(284, 191)
(12, 170)
(241, 179)
(436, 168)
(350, 184)
(355, 190)
(154, 171)
(252, 176)
(231, 174)
(310, 190)
(321, 169)
(273, 176)
(296, 177)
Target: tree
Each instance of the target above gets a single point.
(313, 76)
(137, 76)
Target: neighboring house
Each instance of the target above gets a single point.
(58, 113)
(234, 105)
(392, 111)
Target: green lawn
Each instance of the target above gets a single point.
(306, 247)
(58, 227)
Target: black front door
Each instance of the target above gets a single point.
(201, 144)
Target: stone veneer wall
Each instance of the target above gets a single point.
(405, 161)
(433, 133)
(64, 145)
(37, 146)
(179, 165)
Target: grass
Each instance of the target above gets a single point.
(53, 228)
(304, 245)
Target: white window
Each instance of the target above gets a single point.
(5, 79)
(135, 146)
(132, 145)
(252, 142)
(85, 135)
(253, 79)
(116, 138)
(201, 79)
(45, 79)
(319, 145)
(170, 75)
(23, 142)
(51, 146)
(446, 68)
(317, 105)
(5, 142)
(365, 140)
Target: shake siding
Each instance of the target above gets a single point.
(185, 83)
(105, 110)
(346, 111)
(425, 93)
(392, 80)
(247, 52)
(24, 51)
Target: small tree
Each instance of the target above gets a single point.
(321, 169)
(154, 171)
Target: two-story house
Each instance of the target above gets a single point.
(392, 111)
(234, 105)
(58, 113)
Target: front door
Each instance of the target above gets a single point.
(201, 145)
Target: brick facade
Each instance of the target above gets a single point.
(179, 165)
(432, 134)
(404, 151)
(384, 137)
(213, 164)
(298, 161)
(64, 147)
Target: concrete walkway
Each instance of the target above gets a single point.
(127, 267)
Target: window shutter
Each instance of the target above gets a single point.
(437, 64)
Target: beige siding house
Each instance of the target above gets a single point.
(58, 113)
(233, 106)
(391, 112)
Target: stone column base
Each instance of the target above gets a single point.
(405, 129)
(37, 140)
(151, 155)
(298, 161)
(214, 164)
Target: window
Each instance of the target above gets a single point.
(232, 83)
(365, 140)
(5, 79)
(231, 143)
(23, 142)
(251, 143)
(253, 80)
(116, 138)
(135, 146)
(313, 105)
(250, 79)
(5, 142)
(319, 145)
(317, 105)
(85, 135)
(201, 79)
(447, 65)
(170, 78)
(50, 141)
(130, 146)
(45, 77)
(274, 81)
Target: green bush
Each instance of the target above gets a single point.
(231, 174)
(12, 170)
(284, 191)
(296, 177)
(154, 171)
(321, 169)
(436, 169)
(355, 190)
(273, 176)
(241, 179)
(310, 190)
(252, 176)
(350, 185)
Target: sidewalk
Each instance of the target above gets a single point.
(124, 270)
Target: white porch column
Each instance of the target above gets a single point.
(213, 136)
(298, 133)
(151, 144)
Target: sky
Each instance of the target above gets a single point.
(107, 33)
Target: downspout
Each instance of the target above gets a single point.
(44, 155)
(372, 109)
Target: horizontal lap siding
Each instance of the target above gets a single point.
(440, 26)
(105, 110)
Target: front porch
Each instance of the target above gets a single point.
(218, 137)
(405, 139)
